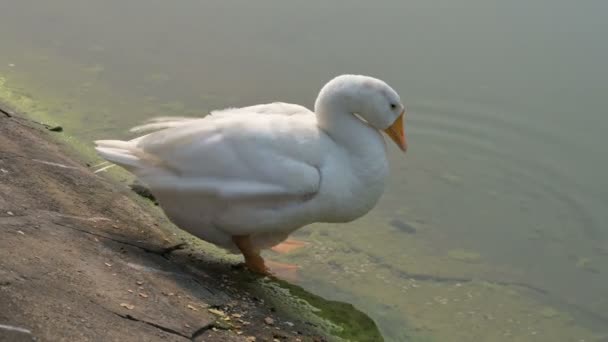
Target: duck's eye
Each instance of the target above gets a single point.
(393, 106)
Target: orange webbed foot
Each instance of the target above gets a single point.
(288, 246)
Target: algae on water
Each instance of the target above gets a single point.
(464, 255)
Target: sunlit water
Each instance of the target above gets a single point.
(504, 183)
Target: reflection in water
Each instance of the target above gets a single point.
(502, 185)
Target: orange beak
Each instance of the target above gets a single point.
(396, 131)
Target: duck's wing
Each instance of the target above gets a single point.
(275, 108)
(228, 156)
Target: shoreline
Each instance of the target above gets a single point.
(81, 258)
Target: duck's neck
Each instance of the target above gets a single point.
(343, 126)
(363, 173)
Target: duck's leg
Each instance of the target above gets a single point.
(255, 262)
(288, 245)
(253, 259)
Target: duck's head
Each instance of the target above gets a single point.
(371, 99)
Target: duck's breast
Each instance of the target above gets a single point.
(352, 183)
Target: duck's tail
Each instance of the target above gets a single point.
(123, 153)
(128, 154)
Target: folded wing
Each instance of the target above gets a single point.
(224, 155)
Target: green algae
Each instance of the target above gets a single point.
(340, 320)
(22, 102)
(582, 262)
(549, 312)
(586, 264)
(464, 255)
(414, 292)
(336, 320)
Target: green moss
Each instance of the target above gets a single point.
(549, 312)
(335, 318)
(338, 320)
(23, 103)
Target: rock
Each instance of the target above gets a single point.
(221, 324)
(99, 271)
(127, 306)
(55, 129)
(217, 312)
(279, 335)
(142, 191)
(15, 334)
(269, 321)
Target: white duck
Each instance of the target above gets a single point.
(245, 178)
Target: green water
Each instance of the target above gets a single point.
(494, 225)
